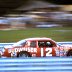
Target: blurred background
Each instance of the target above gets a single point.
(34, 18)
(23, 14)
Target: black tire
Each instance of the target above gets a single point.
(23, 54)
(69, 53)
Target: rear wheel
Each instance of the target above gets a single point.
(69, 53)
(24, 54)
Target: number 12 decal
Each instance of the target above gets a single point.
(48, 51)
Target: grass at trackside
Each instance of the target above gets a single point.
(57, 34)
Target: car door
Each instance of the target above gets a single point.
(33, 48)
(45, 48)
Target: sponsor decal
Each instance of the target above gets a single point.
(33, 55)
(61, 48)
(48, 52)
(23, 49)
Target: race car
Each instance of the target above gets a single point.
(35, 47)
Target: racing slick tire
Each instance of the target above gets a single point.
(69, 53)
(23, 54)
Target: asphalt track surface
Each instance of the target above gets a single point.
(39, 64)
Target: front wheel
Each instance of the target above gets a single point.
(69, 53)
(23, 54)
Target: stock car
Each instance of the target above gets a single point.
(35, 47)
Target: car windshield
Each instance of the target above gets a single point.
(20, 43)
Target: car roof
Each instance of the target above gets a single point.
(38, 38)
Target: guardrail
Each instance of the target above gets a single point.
(64, 43)
(46, 64)
(3, 44)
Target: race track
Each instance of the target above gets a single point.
(43, 64)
